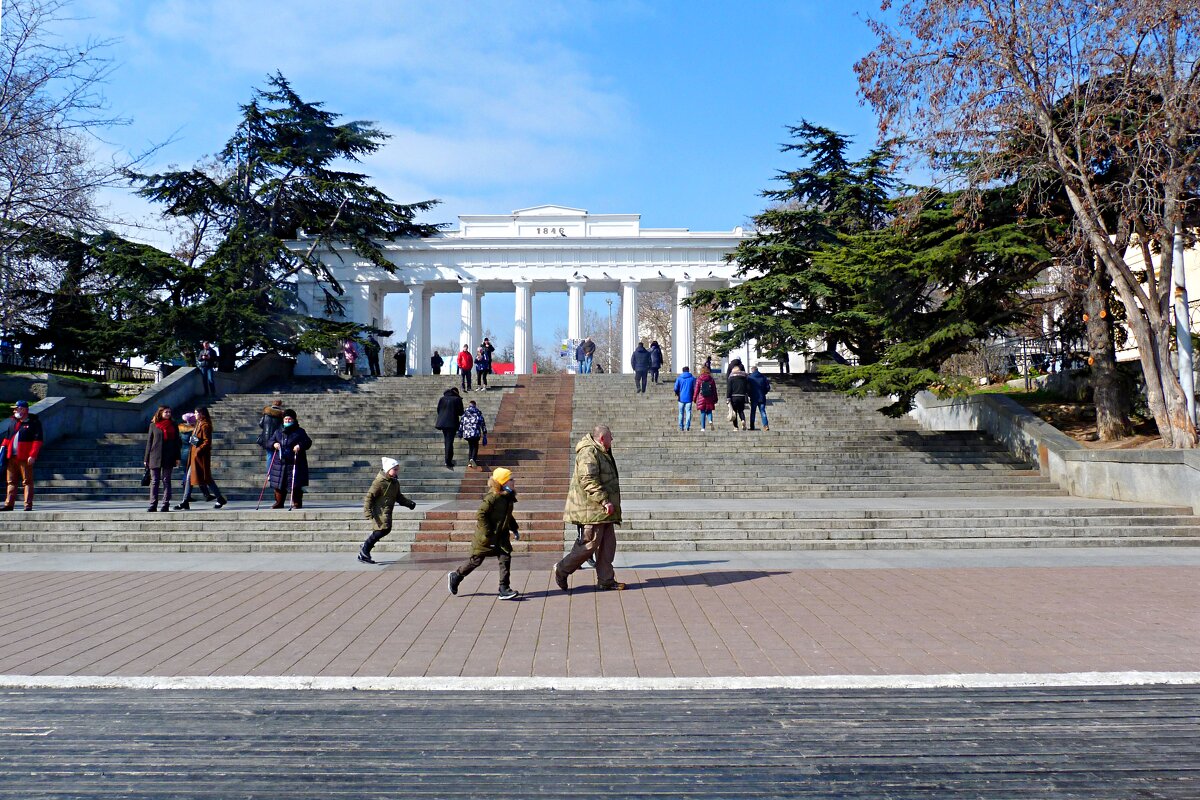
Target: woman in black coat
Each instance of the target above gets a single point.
(738, 392)
(289, 466)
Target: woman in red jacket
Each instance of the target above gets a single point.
(21, 448)
(705, 397)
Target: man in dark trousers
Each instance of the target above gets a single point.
(207, 359)
(371, 345)
(21, 449)
(594, 507)
(435, 363)
(465, 363)
(449, 411)
(401, 356)
(640, 361)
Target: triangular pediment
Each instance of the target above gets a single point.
(550, 211)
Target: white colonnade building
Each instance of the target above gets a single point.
(541, 249)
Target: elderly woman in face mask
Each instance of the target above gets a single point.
(289, 464)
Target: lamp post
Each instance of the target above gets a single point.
(610, 343)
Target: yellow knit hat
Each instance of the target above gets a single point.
(501, 475)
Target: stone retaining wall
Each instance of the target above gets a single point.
(1148, 476)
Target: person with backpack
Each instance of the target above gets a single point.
(737, 390)
(465, 364)
(685, 388)
(760, 386)
(472, 427)
(656, 361)
(705, 397)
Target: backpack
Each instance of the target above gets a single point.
(708, 390)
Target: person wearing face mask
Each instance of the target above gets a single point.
(162, 455)
(493, 523)
(21, 448)
(289, 467)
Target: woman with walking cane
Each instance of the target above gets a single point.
(381, 498)
(200, 463)
(289, 467)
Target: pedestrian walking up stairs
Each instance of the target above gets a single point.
(834, 473)
(352, 426)
(530, 435)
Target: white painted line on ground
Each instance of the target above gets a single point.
(460, 684)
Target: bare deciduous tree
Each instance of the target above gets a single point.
(1079, 92)
(51, 110)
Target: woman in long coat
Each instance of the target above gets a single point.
(289, 467)
(200, 462)
(162, 456)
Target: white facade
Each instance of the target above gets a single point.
(541, 249)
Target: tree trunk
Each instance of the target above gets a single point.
(1108, 394)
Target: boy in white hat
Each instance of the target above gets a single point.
(493, 523)
(378, 504)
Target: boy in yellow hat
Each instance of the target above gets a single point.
(493, 523)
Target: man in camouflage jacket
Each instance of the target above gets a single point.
(594, 506)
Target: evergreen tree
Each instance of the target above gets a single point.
(278, 180)
(901, 283)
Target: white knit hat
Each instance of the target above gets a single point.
(388, 463)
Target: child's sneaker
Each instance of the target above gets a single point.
(452, 581)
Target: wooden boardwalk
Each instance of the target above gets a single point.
(1006, 744)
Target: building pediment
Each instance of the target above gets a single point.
(550, 211)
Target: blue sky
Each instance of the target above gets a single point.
(672, 110)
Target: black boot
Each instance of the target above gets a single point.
(184, 506)
(364, 552)
(221, 501)
(166, 506)
(298, 499)
(153, 507)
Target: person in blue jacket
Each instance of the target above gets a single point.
(759, 387)
(685, 386)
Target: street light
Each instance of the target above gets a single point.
(610, 343)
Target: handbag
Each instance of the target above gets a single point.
(731, 416)
(146, 477)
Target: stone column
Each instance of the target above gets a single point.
(523, 328)
(468, 333)
(629, 323)
(683, 334)
(575, 289)
(418, 353)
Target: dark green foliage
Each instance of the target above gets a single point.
(902, 284)
(277, 180)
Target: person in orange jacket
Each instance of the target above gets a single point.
(21, 448)
(465, 362)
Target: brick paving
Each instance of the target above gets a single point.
(669, 623)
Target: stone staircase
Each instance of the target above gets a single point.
(832, 473)
(530, 435)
